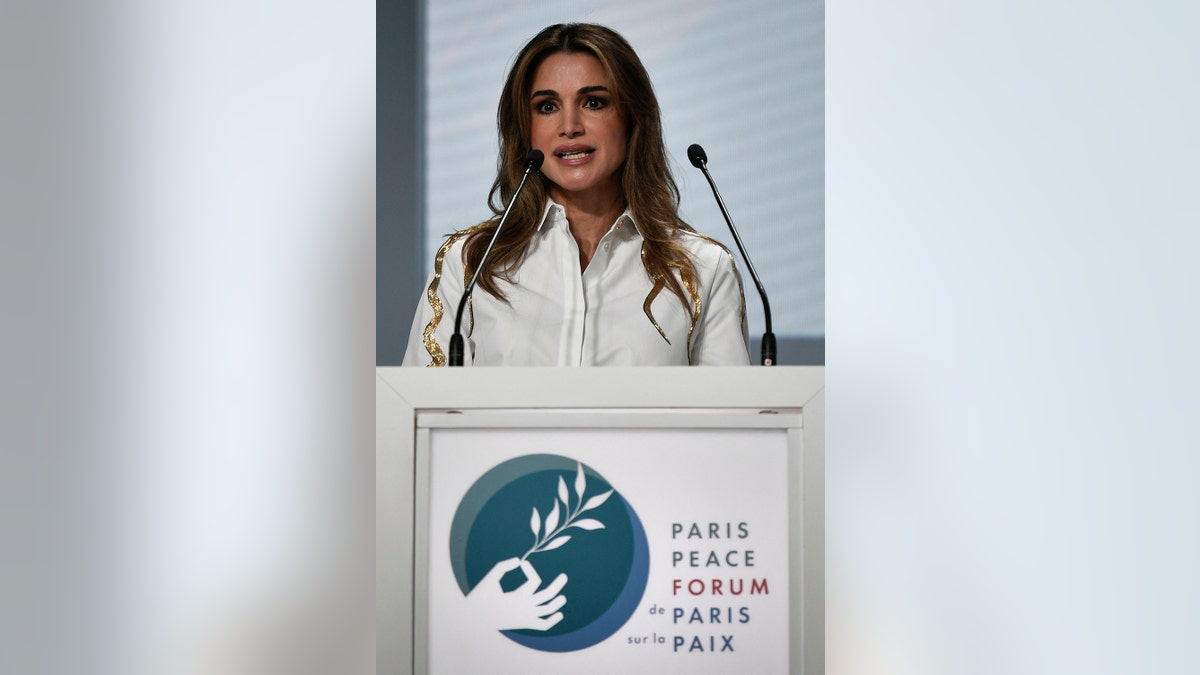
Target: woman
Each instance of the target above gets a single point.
(577, 274)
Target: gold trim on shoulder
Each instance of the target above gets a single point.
(436, 353)
(736, 275)
(696, 302)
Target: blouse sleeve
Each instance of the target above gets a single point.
(722, 337)
(433, 324)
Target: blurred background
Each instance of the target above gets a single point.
(188, 327)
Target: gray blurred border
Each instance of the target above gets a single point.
(399, 165)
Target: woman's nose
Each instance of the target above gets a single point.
(572, 124)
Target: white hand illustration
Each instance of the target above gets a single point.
(525, 607)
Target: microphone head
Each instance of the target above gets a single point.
(533, 161)
(697, 156)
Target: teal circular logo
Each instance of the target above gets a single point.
(548, 517)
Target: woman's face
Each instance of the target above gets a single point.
(578, 126)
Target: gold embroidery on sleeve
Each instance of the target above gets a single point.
(741, 289)
(687, 285)
(467, 272)
(435, 302)
(696, 296)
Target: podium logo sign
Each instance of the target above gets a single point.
(549, 553)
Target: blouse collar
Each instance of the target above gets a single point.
(555, 213)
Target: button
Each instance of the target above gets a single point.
(606, 247)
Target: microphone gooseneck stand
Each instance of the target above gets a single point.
(533, 162)
(700, 160)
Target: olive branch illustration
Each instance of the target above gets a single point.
(549, 535)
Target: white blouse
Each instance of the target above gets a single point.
(560, 316)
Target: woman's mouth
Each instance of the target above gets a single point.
(573, 153)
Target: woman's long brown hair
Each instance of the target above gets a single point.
(649, 189)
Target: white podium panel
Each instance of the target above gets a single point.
(600, 520)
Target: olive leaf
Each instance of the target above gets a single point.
(552, 519)
(596, 501)
(547, 535)
(588, 524)
(556, 543)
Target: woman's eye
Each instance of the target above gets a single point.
(545, 107)
(594, 103)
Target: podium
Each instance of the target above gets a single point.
(600, 520)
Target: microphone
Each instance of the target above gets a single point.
(533, 162)
(700, 160)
